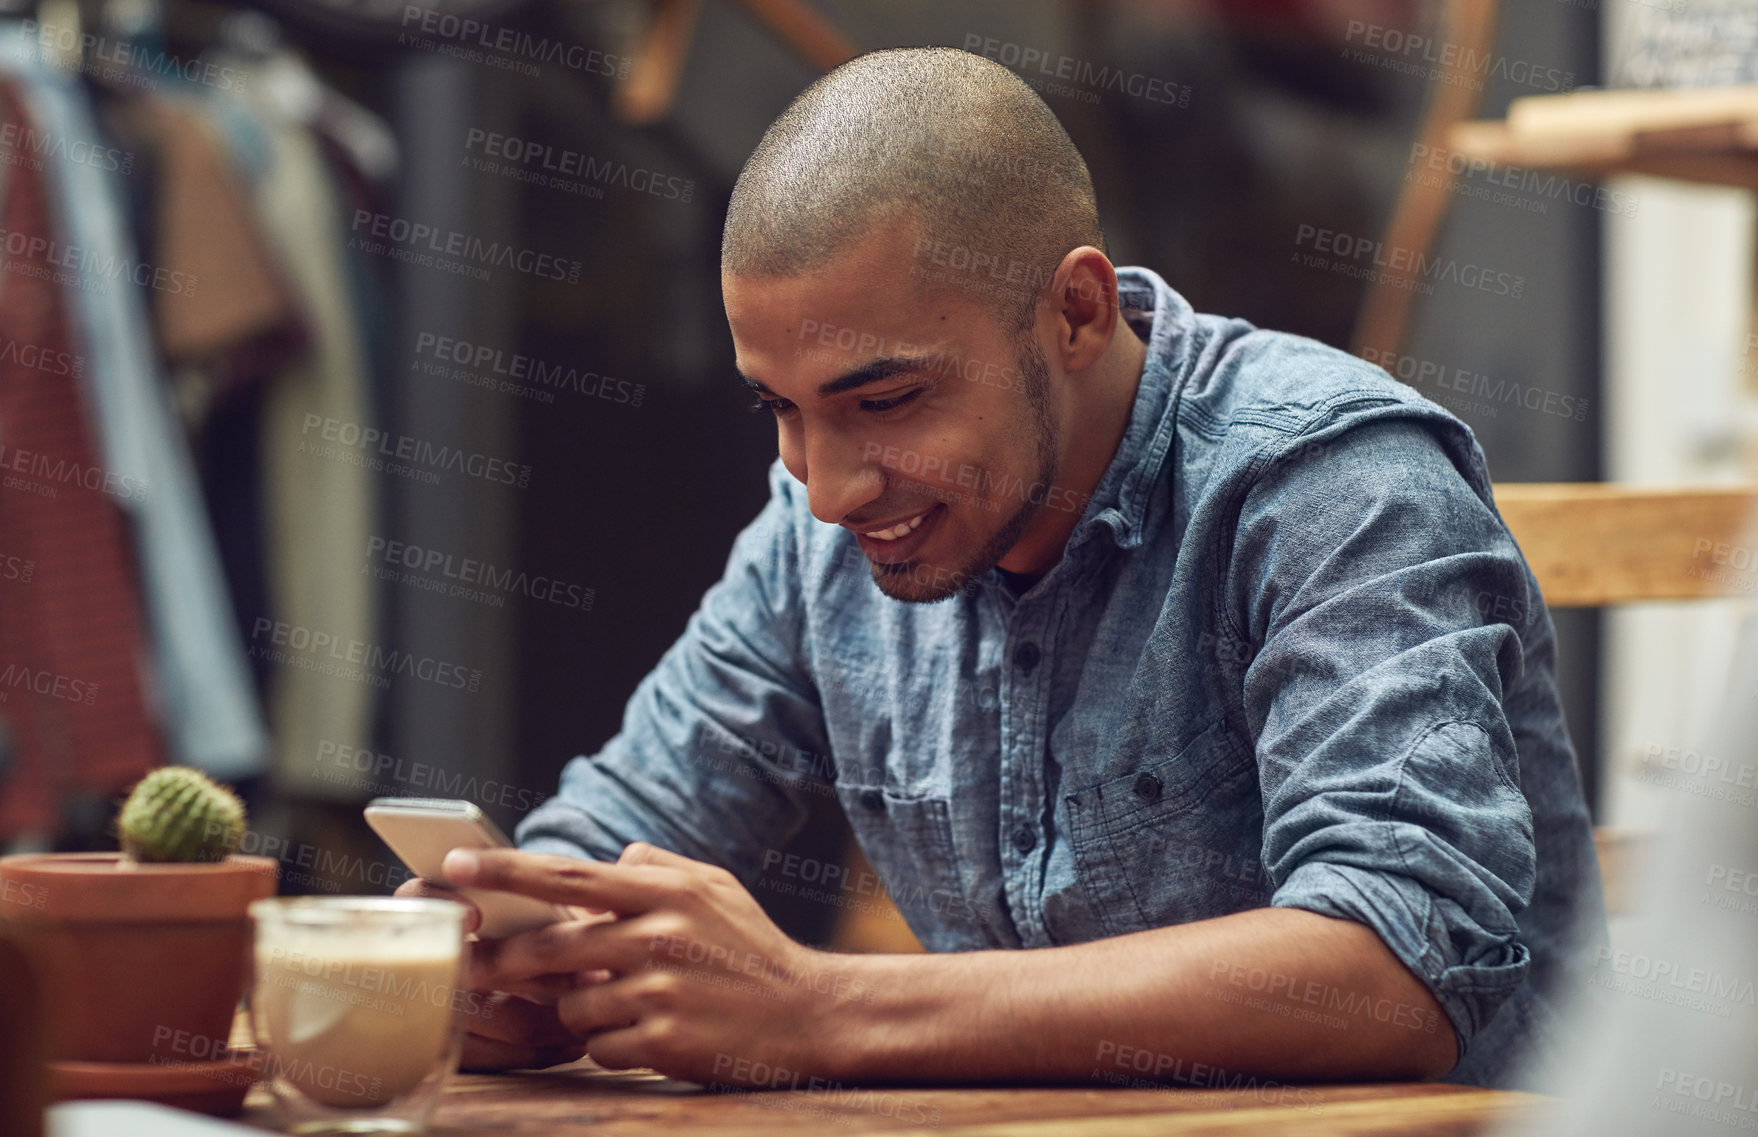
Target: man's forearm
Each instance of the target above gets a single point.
(1274, 992)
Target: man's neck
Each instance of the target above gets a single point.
(1096, 431)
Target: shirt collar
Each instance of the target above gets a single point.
(1120, 502)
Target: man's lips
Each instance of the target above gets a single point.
(902, 536)
(884, 530)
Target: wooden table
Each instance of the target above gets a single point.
(585, 1100)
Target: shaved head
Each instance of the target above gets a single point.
(952, 146)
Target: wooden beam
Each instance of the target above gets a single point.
(1592, 544)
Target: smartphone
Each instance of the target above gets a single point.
(423, 830)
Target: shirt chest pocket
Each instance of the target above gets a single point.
(1173, 840)
(908, 841)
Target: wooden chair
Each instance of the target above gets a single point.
(652, 86)
(1598, 544)
(1388, 306)
(875, 925)
(1706, 135)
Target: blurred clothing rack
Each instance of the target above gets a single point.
(213, 304)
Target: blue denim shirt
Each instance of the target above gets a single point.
(1290, 657)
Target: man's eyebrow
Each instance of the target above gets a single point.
(874, 372)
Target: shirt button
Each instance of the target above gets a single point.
(1025, 838)
(1148, 788)
(1025, 657)
(872, 801)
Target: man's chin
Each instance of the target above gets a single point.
(917, 583)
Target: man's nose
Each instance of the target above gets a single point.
(844, 477)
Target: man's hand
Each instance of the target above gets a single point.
(506, 1030)
(692, 978)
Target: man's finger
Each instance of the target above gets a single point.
(550, 956)
(508, 1018)
(426, 890)
(624, 889)
(493, 1054)
(605, 1006)
(618, 1049)
(641, 853)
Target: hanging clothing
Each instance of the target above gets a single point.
(321, 509)
(361, 160)
(225, 345)
(244, 325)
(72, 651)
(204, 689)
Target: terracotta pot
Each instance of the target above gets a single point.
(21, 1044)
(139, 962)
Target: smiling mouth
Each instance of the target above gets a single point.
(894, 544)
(901, 529)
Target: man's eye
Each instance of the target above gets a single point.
(778, 406)
(879, 405)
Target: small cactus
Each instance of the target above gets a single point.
(179, 814)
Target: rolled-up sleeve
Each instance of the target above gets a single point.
(722, 739)
(1386, 599)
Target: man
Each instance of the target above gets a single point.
(1193, 657)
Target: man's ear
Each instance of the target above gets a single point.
(1083, 297)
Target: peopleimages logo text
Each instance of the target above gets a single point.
(124, 59)
(1419, 54)
(46, 361)
(544, 375)
(24, 140)
(566, 163)
(512, 45)
(1080, 72)
(42, 681)
(1350, 249)
(305, 641)
(33, 464)
(417, 236)
(403, 448)
(470, 571)
(91, 267)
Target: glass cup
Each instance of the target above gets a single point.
(356, 1008)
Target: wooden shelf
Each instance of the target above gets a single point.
(1707, 134)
